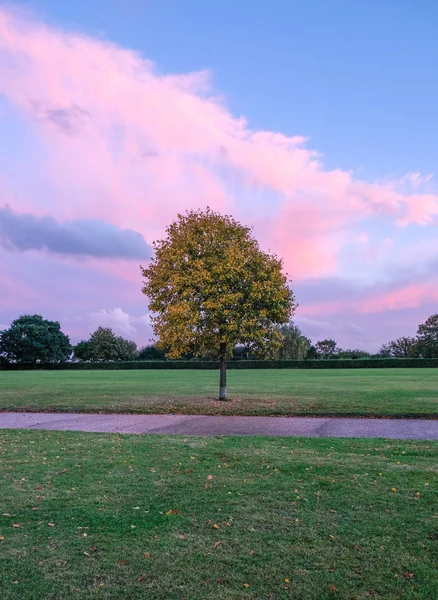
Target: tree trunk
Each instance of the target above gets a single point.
(223, 372)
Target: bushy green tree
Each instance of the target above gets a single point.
(83, 351)
(327, 348)
(104, 345)
(427, 337)
(151, 353)
(402, 347)
(126, 349)
(211, 287)
(32, 339)
(294, 345)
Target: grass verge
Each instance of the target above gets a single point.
(284, 392)
(107, 516)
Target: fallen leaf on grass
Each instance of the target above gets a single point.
(252, 552)
(2, 537)
(245, 585)
(215, 526)
(172, 511)
(393, 490)
(332, 588)
(286, 580)
(123, 562)
(217, 544)
(147, 555)
(210, 477)
(51, 524)
(408, 575)
(63, 471)
(142, 577)
(16, 525)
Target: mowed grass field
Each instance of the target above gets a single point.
(102, 516)
(346, 392)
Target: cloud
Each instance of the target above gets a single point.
(142, 146)
(112, 150)
(81, 237)
(68, 120)
(317, 329)
(122, 323)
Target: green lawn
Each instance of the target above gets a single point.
(109, 516)
(356, 392)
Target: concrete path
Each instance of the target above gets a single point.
(211, 425)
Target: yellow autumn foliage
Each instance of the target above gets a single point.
(211, 287)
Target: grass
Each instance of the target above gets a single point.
(348, 392)
(102, 516)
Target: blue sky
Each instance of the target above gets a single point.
(356, 79)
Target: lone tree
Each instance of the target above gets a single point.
(211, 287)
(32, 339)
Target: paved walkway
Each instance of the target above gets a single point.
(212, 425)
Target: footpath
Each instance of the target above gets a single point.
(415, 429)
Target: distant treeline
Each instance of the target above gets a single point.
(32, 341)
(363, 363)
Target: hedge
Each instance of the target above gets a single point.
(362, 363)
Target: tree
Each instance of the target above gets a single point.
(83, 351)
(294, 345)
(427, 336)
(151, 353)
(32, 339)
(402, 347)
(103, 345)
(327, 348)
(210, 286)
(126, 349)
(312, 352)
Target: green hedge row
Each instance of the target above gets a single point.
(364, 363)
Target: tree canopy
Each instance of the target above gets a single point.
(105, 345)
(294, 345)
(32, 339)
(427, 336)
(327, 348)
(211, 287)
(402, 347)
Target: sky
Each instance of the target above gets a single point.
(314, 122)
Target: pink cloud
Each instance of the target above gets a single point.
(375, 301)
(125, 143)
